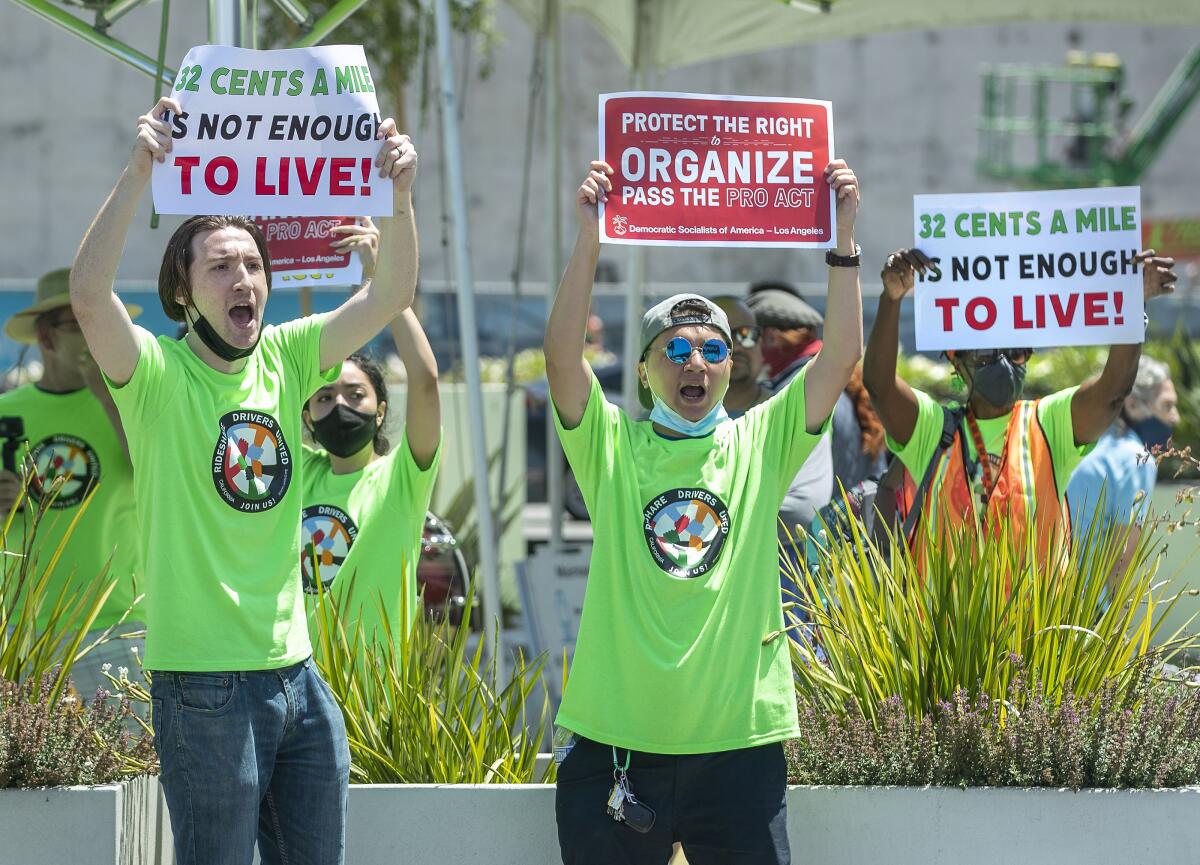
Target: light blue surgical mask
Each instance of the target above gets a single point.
(668, 417)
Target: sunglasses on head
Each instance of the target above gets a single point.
(679, 350)
(747, 336)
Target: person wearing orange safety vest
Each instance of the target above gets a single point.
(993, 454)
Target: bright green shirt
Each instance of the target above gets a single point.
(69, 434)
(215, 458)
(1054, 414)
(683, 585)
(361, 536)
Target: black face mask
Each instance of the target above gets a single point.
(1152, 431)
(999, 382)
(218, 346)
(344, 432)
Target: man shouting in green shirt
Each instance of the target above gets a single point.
(252, 744)
(677, 704)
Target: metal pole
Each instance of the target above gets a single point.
(554, 455)
(328, 22)
(116, 48)
(227, 23)
(637, 254)
(470, 334)
(295, 10)
(115, 10)
(634, 304)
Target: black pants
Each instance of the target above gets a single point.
(726, 808)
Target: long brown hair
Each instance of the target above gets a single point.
(173, 276)
(873, 441)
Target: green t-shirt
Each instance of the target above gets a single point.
(70, 434)
(683, 584)
(361, 533)
(214, 462)
(1054, 414)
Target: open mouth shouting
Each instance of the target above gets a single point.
(242, 319)
(693, 394)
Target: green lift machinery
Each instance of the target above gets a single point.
(1069, 126)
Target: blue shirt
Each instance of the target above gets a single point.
(1119, 468)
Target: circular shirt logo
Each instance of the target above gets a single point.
(326, 535)
(69, 458)
(252, 466)
(685, 531)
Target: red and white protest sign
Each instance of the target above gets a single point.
(273, 132)
(1029, 269)
(696, 170)
(301, 254)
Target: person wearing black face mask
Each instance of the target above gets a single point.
(993, 453)
(1113, 484)
(364, 501)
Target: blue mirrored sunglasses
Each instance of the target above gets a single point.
(678, 350)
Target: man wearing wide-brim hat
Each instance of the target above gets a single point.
(71, 441)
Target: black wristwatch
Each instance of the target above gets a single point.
(835, 260)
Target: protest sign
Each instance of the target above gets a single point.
(268, 133)
(695, 170)
(300, 251)
(1029, 269)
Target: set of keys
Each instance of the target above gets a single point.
(623, 806)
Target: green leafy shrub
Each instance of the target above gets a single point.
(47, 742)
(1148, 736)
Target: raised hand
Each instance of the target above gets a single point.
(153, 140)
(363, 238)
(845, 184)
(899, 271)
(1158, 274)
(397, 157)
(594, 189)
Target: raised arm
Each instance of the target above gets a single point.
(351, 326)
(110, 333)
(834, 364)
(567, 372)
(1098, 402)
(423, 412)
(893, 399)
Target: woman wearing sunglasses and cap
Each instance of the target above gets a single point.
(1031, 446)
(672, 723)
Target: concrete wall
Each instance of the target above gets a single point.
(116, 824)
(514, 825)
(905, 107)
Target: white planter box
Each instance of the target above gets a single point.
(116, 824)
(514, 825)
(996, 826)
(503, 825)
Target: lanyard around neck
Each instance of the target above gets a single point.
(981, 454)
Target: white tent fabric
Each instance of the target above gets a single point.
(682, 32)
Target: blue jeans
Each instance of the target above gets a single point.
(252, 756)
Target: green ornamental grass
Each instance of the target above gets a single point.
(892, 626)
(422, 707)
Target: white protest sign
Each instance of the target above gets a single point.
(1029, 269)
(274, 133)
(552, 589)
